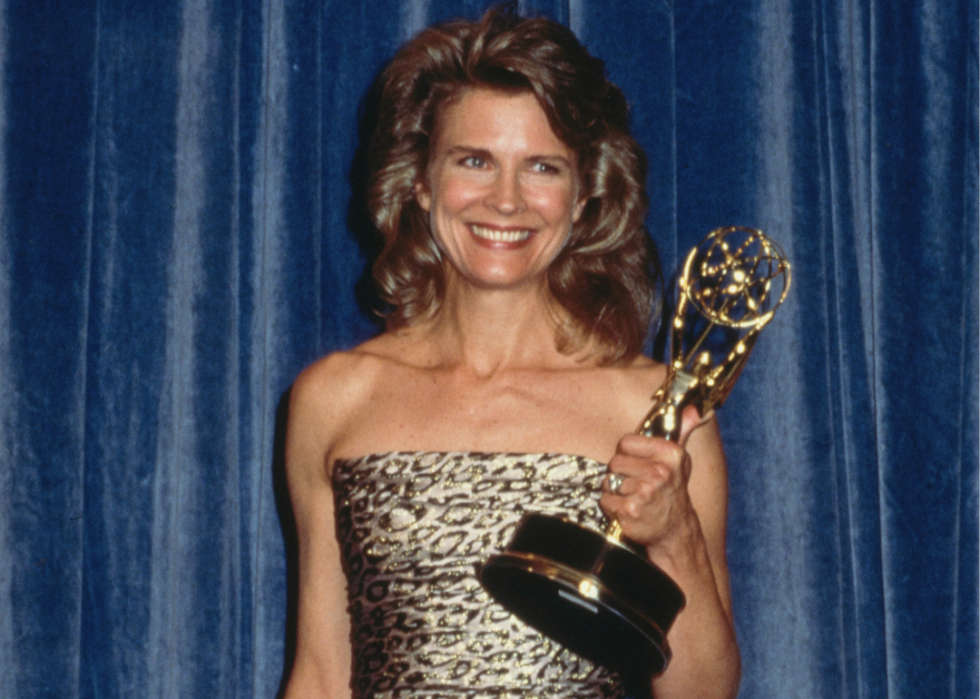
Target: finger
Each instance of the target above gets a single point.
(640, 480)
(610, 505)
(690, 421)
(637, 455)
(613, 483)
(619, 507)
(637, 509)
(621, 487)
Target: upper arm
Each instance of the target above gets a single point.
(708, 490)
(322, 664)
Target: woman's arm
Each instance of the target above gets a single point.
(322, 665)
(675, 503)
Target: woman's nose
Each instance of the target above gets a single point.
(506, 196)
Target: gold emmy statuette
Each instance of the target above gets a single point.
(596, 593)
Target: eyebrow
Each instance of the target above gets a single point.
(468, 150)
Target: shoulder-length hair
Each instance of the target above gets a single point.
(607, 276)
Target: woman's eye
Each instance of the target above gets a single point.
(474, 161)
(544, 169)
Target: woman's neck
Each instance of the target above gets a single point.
(492, 329)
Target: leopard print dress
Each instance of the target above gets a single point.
(413, 527)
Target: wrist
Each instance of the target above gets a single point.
(682, 552)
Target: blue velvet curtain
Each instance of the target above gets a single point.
(177, 241)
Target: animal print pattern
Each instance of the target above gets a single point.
(413, 528)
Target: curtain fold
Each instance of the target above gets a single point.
(180, 234)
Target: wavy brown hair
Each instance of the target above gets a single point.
(607, 276)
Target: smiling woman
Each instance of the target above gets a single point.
(606, 276)
(519, 280)
(501, 190)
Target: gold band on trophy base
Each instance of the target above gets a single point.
(596, 593)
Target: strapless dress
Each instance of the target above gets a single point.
(413, 527)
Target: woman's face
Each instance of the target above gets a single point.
(501, 189)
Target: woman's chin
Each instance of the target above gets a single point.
(496, 279)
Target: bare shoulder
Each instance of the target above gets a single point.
(328, 396)
(335, 384)
(327, 389)
(642, 377)
(643, 370)
(635, 383)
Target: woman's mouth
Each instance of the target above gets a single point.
(498, 236)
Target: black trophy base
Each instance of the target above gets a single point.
(591, 593)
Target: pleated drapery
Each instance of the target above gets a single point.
(178, 239)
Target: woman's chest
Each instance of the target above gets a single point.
(571, 412)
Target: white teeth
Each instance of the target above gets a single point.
(500, 236)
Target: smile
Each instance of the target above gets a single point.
(497, 236)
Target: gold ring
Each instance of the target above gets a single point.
(614, 483)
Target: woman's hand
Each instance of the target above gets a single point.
(672, 499)
(651, 502)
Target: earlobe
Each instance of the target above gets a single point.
(422, 196)
(579, 208)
